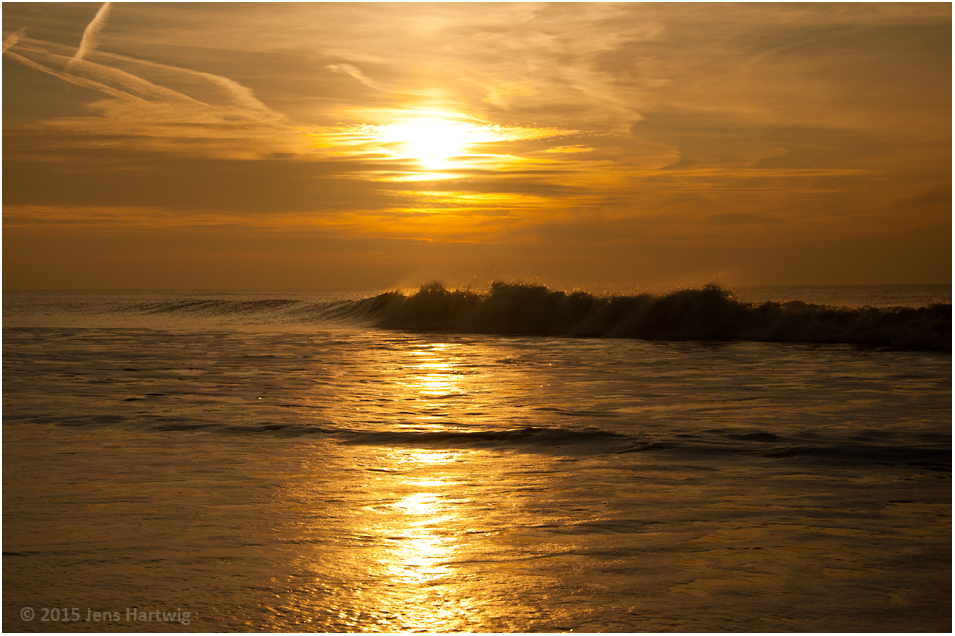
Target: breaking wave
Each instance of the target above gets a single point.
(709, 313)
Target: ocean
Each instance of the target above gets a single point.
(517, 459)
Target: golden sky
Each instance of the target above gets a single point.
(608, 146)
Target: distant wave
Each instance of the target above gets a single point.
(529, 436)
(928, 450)
(709, 313)
(934, 455)
(221, 307)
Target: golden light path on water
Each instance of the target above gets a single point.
(424, 543)
(418, 534)
(432, 382)
(423, 525)
(425, 522)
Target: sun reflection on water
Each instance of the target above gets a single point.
(435, 381)
(419, 532)
(418, 503)
(421, 537)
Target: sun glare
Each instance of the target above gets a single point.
(433, 142)
(429, 144)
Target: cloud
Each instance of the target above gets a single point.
(91, 35)
(66, 77)
(13, 38)
(355, 72)
(154, 115)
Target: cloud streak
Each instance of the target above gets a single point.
(153, 115)
(13, 38)
(356, 73)
(91, 35)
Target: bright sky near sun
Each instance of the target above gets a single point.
(609, 146)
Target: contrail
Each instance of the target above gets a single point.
(355, 72)
(13, 38)
(88, 43)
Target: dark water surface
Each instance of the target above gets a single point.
(265, 464)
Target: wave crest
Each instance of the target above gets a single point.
(708, 313)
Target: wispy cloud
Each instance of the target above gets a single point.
(154, 113)
(13, 38)
(355, 72)
(91, 35)
(67, 77)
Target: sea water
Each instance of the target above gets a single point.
(509, 461)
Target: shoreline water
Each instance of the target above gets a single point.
(267, 535)
(294, 475)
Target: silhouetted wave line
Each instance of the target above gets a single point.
(512, 437)
(709, 313)
(928, 452)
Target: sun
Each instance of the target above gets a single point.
(443, 145)
(432, 142)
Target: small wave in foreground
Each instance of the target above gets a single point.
(710, 313)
